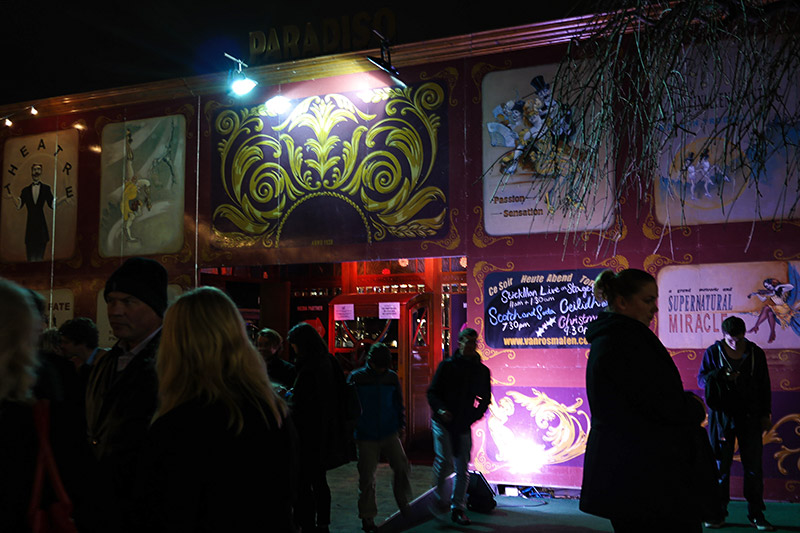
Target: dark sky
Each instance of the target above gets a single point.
(50, 49)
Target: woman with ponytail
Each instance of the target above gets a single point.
(638, 467)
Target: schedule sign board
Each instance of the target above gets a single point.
(545, 309)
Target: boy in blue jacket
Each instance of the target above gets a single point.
(378, 432)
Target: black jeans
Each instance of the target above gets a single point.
(747, 430)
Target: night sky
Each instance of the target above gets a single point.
(51, 50)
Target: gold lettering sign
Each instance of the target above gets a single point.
(328, 36)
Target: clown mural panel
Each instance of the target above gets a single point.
(695, 299)
(142, 186)
(40, 184)
(530, 146)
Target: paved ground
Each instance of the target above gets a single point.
(512, 515)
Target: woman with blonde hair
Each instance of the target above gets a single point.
(19, 329)
(219, 427)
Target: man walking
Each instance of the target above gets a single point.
(459, 396)
(122, 392)
(378, 431)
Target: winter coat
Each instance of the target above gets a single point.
(461, 385)
(382, 411)
(642, 450)
(197, 475)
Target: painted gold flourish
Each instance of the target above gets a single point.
(479, 71)
(563, 424)
(653, 230)
(329, 146)
(782, 257)
(481, 270)
(450, 242)
(450, 74)
(616, 233)
(480, 238)
(785, 452)
(490, 353)
(616, 263)
(653, 262)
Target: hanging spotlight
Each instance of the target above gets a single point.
(34, 111)
(8, 122)
(240, 84)
(385, 61)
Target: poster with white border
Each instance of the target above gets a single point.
(695, 299)
(521, 196)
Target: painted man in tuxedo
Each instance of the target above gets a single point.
(34, 197)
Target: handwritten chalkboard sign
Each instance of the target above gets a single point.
(539, 309)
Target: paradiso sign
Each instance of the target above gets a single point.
(321, 37)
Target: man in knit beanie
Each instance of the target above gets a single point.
(122, 392)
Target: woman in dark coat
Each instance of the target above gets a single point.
(638, 468)
(314, 402)
(220, 454)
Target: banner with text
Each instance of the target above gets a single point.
(548, 309)
(695, 299)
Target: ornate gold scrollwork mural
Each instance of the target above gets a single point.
(336, 169)
(557, 434)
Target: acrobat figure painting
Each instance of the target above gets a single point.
(142, 187)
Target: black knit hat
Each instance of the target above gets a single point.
(143, 278)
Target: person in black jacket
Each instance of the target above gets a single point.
(221, 452)
(735, 376)
(122, 392)
(639, 470)
(459, 396)
(314, 404)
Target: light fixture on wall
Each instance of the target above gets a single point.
(385, 61)
(239, 83)
(7, 119)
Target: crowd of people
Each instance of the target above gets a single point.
(188, 424)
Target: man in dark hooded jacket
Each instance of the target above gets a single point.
(459, 396)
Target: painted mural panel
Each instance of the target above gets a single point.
(530, 143)
(40, 197)
(695, 299)
(547, 309)
(142, 186)
(528, 430)
(336, 169)
(710, 175)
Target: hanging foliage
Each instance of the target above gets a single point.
(688, 102)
